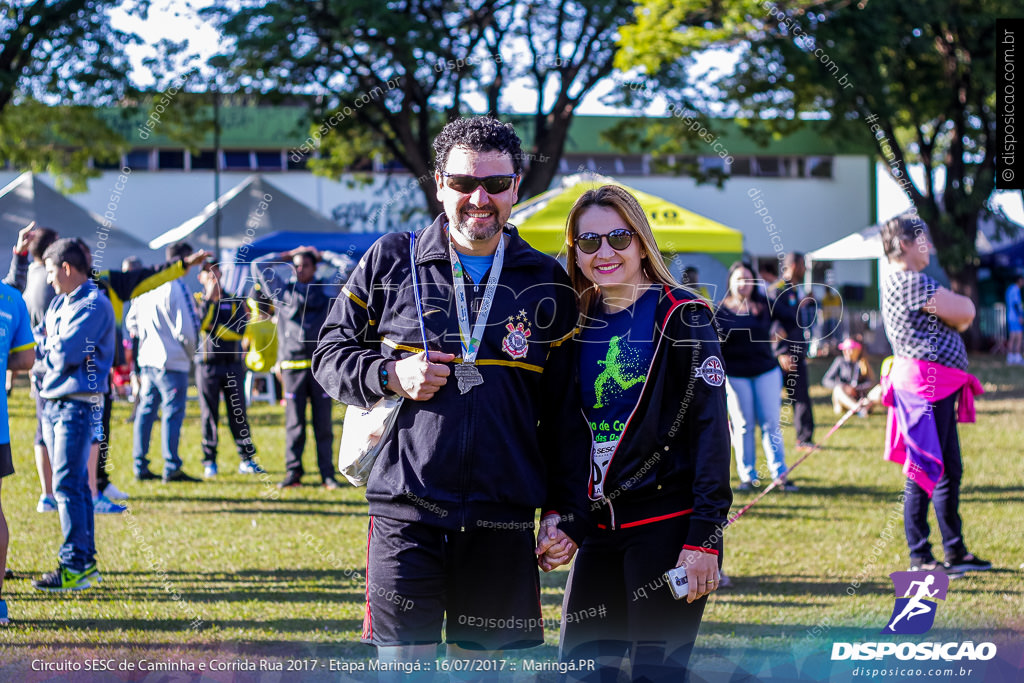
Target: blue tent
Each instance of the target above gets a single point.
(351, 244)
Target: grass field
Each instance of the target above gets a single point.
(280, 578)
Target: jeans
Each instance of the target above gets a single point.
(172, 388)
(752, 402)
(68, 428)
(945, 498)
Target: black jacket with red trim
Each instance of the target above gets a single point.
(490, 457)
(673, 457)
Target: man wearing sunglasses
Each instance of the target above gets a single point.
(491, 428)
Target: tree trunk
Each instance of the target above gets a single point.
(965, 281)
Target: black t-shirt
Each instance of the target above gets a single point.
(747, 347)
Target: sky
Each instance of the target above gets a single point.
(179, 20)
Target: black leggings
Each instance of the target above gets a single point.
(616, 600)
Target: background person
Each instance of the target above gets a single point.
(74, 363)
(1014, 321)
(922, 320)
(17, 345)
(753, 380)
(167, 328)
(851, 379)
(220, 371)
(303, 302)
(648, 353)
(796, 312)
(37, 294)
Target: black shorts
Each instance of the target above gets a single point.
(6, 462)
(484, 581)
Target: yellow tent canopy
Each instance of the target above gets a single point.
(541, 220)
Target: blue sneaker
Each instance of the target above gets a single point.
(209, 470)
(250, 466)
(104, 506)
(46, 504)
(4, 621)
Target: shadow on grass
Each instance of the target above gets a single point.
(274, 508)
(279, 625)
(246, 499)
(773, 584)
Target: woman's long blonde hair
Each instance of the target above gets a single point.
(629, 209)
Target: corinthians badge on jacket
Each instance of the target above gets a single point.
(516, 343)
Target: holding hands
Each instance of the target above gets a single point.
(554, 547)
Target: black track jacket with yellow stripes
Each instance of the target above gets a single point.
(488, 458)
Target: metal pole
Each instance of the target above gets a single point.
(216, 172)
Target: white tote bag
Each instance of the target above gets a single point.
(366, 431)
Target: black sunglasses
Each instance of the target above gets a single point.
(618, 239)
(467, 184)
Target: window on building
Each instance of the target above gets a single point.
(236, 160)
(138, 159)
(205, 160)
(633, 164)
(712, 164)
(268, 159)
(819, 167)
(170, 159)
(770, 167)
(741, 166)
(297, 160)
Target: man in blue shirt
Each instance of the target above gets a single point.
(74, 362)
(16, 344)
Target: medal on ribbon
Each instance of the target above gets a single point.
(466, 372)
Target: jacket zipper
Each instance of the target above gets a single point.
(622, 437)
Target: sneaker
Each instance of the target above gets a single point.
(8, 573)
(146, 475)
(331, 484)
(290, 480)
(114, 493)
(724, 581)
(787, 485)
(62, 580)
(104, 506)
(746, 486)
(92, 573)
(46, 504)
(250, 466)
(178, 475)
(209, 470)
(967, 563)
(923, 565)
(804, 446)
(4, 621)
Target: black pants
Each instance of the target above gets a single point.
(299, 388)
(945, 498)
(616, 600)
(102, 477)
(799, 396)
(213, 380)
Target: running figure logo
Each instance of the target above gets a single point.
(914, 612)
(616, 363)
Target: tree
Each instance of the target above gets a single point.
(58, 61)
(389, 75)
(918, 74)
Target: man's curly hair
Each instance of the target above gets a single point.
(480, 134)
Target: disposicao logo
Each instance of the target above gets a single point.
(916, 596)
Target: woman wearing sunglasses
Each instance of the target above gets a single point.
(653, 391)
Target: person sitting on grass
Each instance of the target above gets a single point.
(851, 380)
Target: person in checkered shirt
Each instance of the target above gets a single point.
(923, 321)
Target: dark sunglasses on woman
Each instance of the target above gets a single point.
(618, 239)
(467, 184)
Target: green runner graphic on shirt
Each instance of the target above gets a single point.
(618, 365)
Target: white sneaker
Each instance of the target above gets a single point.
(114, 493)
